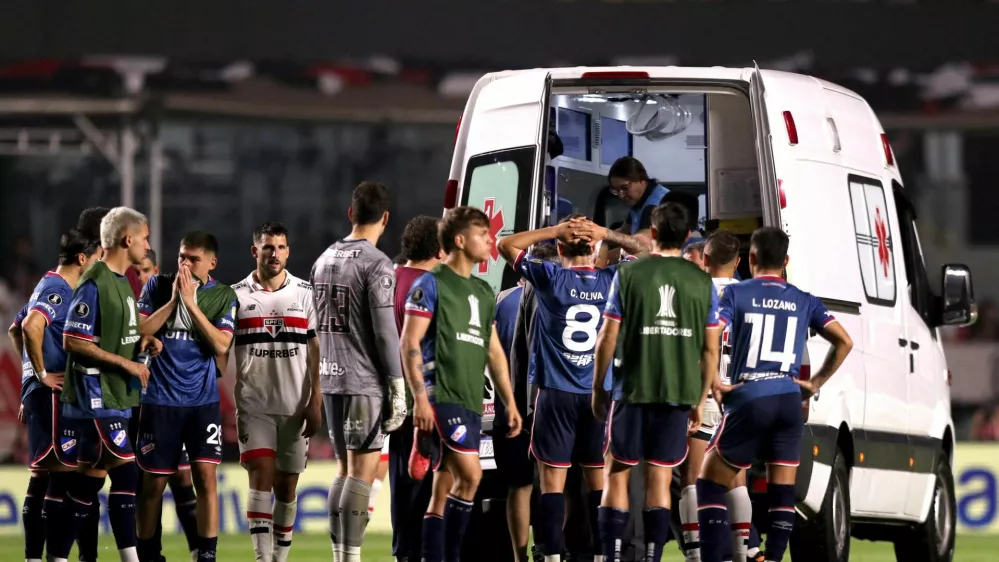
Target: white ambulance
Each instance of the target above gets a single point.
(761, 148)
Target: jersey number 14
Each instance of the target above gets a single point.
(761, 341)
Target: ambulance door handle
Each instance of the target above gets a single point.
(912, 364)
(914, 345)
(902, 342)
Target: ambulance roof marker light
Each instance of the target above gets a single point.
(792, 130)
(615, 75)
(889, 157)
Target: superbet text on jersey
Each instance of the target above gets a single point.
(272, 331)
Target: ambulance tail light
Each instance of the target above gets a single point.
(792, 130)
(889, 157)
(615, 75)
(450, 194)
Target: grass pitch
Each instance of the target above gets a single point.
(378, 548)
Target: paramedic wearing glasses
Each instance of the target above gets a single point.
(629, 181)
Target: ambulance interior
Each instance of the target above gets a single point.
(698, 143)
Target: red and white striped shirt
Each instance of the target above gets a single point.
(272, 331)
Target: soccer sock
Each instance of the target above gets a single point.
(333, 508)
(551, 515)
(353, 517)
(185, 503)
(433, 538)
(206, 548)
(90, 528)
(656, 521)
(60, 515)
(612, 522)
(781, 498)
(593, 504)
(81, 495)
(457, 512)
(740, 516)
(712, 515)
(688, 518)
(284, 526)
(31, 515)
(754, 541)
(258, 514)
(121, 509)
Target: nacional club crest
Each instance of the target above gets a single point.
(273, 326)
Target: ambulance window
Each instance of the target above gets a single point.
(500, 184)
(875, 246)
(921, 295)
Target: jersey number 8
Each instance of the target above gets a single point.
(588, 328)
(763, 329)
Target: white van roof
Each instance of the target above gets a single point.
(679, 72)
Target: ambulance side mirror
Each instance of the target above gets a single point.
(957, 300)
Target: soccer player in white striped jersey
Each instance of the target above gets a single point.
(277, 389)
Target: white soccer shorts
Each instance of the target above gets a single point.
(278, 437)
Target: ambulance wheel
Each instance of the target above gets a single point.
(933, 540)
(826, 536)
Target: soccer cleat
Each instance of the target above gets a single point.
(397, 406)
(419, 456)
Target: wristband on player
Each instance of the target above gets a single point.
(41, 376)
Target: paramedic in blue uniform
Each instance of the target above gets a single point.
(629, 181)
(769, 319)
(180, 406)
(37, 333)
(570, 297)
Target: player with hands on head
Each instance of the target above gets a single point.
(763, 410)
(448, 339)
(661, 332)
(570, 297)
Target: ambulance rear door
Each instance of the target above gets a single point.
(502, 138)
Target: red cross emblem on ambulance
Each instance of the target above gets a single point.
(881, 231)
(496, 223)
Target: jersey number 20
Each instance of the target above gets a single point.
(588, 328)
(761, 341)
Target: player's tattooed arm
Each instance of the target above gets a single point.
(842, 344)
(413, 329)
(512, 246)
(16, 338)
(630, 244)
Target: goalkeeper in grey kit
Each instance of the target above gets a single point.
(360, 370)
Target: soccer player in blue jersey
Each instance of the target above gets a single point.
(763, 408)
(37, 333)
(99, 387)
(570, 296)
(192, 314)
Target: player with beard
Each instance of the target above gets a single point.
(277, 394)
(448, 339)
(37, 334)
(102, 382)
(570, 296)
(421, 252)
(193, 315)
(360, 374)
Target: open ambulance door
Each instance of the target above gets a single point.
(504, 155)
(765, 153)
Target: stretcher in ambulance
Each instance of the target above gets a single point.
(760, 148)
